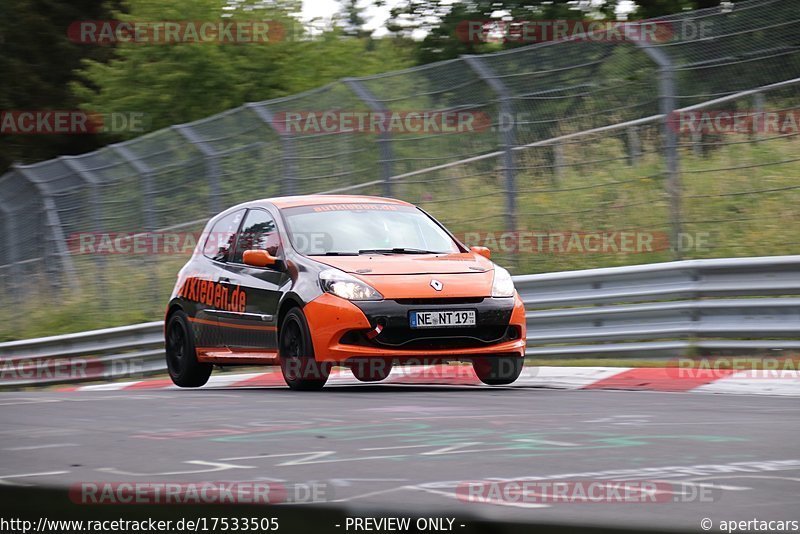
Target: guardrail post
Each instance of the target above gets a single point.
(212, 164)
(507, 134)
(384, 138)
(53, 223)
(288, 183)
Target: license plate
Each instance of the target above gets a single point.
(435, 319)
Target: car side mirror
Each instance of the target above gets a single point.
(259, 258)
(482, 251)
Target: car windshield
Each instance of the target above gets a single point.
(371, 228)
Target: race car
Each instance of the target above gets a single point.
(311, 282)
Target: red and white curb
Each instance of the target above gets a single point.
(619, 378)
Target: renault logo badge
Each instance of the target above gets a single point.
(437, 285)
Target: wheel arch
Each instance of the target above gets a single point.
(173, 307)
(289, 301)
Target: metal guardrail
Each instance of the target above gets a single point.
(645, 311)
(110, 353)
(665, 310)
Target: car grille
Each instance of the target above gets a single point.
(434, 338)
(440, 301)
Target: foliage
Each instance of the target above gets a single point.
(606, 195)
(37, 61)
(182, 82)
(441, 20)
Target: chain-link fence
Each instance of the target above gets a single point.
(588, 152)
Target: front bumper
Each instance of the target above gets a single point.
(342, 330)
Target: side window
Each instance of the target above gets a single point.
(219, 242)
(258, 232)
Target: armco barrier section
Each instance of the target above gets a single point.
(663, 310)
(110, 353)
(687, 141)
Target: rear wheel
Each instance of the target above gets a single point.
(300, 370)
(184, 369)
(498, 370)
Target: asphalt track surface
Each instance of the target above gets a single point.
(408, 448)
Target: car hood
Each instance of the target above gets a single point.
(408, 264)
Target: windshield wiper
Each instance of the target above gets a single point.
(335, 253)
(397, 250)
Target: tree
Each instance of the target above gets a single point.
(443, 21)
(37, 61)
(187, 81)
(352, 20)
(647, 9)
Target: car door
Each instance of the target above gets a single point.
(201, 285)
(253, 327)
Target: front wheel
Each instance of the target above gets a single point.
(300, 370)
(184, 369)
(498, 370)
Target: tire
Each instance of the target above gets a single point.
(184, 369)
(371, 370)
(498, 370)
(296, 353)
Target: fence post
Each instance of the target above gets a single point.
(148, 203)
(384, 138)
(666, 94)
(507, 134)
(634, 146)
(212, 164)
(53, 223)
(10, 251)
(146, 174)
(760, 104)
(73, 164)
(288, 183)
(697, 143)
(667, 90)
(558, 161)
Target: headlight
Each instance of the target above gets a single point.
(348, 287)
(503, 285)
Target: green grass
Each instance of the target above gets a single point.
(744, 196)
(735, 198)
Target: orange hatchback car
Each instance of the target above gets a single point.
(310, 282)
